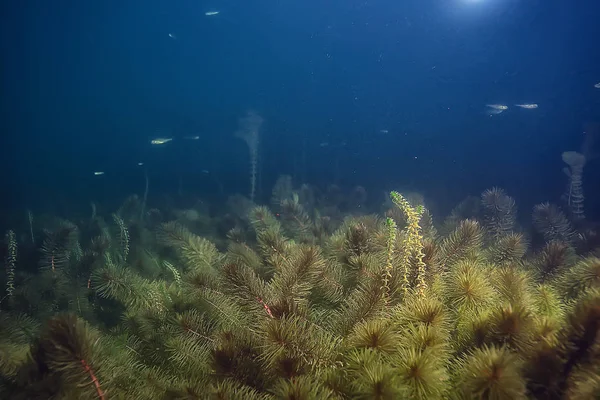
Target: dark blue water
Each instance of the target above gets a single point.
(383, 94)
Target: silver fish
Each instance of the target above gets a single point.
(500, 107)
(158, 141)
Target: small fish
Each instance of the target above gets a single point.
(205, 171)
(172, 36)
(597, 85)
(140, 164)
(211, 13)
(384, 131)
(323, 144)
(97, 173)
(500, 107)
(158, 141)
(527, 106)
(192, 137)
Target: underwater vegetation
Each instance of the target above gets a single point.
(297, 300)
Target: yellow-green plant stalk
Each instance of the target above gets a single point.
(11, 260)
(176, 274)
(391, 242)
(413, 240)
(123, 236)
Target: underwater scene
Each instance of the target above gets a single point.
(357, 199)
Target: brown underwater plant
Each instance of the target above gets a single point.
(301, 300)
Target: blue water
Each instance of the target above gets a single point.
(87, 84)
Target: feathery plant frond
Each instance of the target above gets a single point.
(569, 368)
(225, 311)
(512, 326)
(357, 239)
(467, 287)
(546, 302)
(16, 333)
(119, 283)
(243, 284)
(363, 303)
(416, 310)
(553, 259)
(292, 284)
(371, 378)
(58, 246)
(513, 285)
(491, 373)
(274, 248)
(429, 230)
(294, 218)
(428, 338)
(329, 287)
(68, 350)
(228, 389)
(113, 281)
(262, 219)
(377, 334)
(552, 223)
(500, 212)
(301, 388)
(466, 239)
(422, 373)
(241, 253)
(581, 277)
(288, 354)
(507, 249)
(195, 252)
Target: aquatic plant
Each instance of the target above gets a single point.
(389, 267)
(10, 263)
(552, 223)
(372, 308)
(574, 172)
(249, 132)
(413, 241)
(499, 212)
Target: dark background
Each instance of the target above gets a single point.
(86, 84)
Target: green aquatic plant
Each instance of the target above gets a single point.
(500, 212)
(65, 362)
(574, 172)
(389, 267)
(276, 311)
(491, 373)
(552, 223)
(413, 241)
(10, 263)
(509, 249)
(461, 244)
